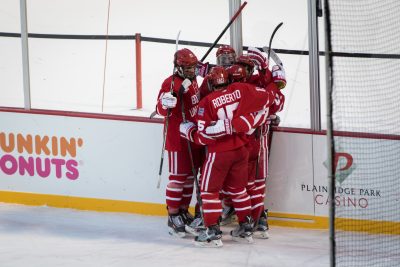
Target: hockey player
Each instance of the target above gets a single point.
(181, 86)
(226, 161)
(256, 125)
(225, 57)
(242, 71)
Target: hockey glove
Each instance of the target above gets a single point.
(186, 130)
(168, 100)
(185, 86)
(258, 58)
(275, 120)
(279, 76)
(202, 69)
(220, 128)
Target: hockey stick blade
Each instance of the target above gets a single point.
(273, 55)
(153, 114)
(159, 182)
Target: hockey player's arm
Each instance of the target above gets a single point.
(189, 131)
(243, 123)
(264, 97)
(255, 98)
(249, 122)
(196, 133)
(201, 137)
(165, 100)
(204, 120)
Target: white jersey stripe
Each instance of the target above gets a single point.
(209, 171)
(231, 193)
(245, 208)
(174, 189)
(246, 121)
(256, 206)
(241, 199)
(211, 201)
(174, 198)
(212, 211)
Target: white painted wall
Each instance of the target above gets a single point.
(119, 160)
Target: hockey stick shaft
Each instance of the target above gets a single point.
(272, 37)
(167, 121)
(224, 30)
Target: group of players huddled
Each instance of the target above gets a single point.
(226, 120)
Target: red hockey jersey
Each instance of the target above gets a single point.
(190, 99)
(236, 99)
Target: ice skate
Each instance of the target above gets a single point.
(186, 216)
(228, 215)
(261, 229)
(243, 232)
(195, 226)
(176, 226)
(209, 237)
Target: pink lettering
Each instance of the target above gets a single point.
(72, 172)
(58, 163)
(43, 171)
(10, 170)
(26, 165)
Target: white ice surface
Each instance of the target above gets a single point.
(45, 236)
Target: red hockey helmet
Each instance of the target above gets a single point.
(246, 61)
(226, 56)
(185, 61)
(237, 73)
(217, 78)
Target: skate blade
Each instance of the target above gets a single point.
(174, 233)
(247, 239)
(212, 244)
(261, 234)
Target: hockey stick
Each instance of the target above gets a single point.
(273, 55)
(224, 30)
(196, 181)
(167, 120)
(176, 49)
(215, 42)
(269, 54)
(272, 37)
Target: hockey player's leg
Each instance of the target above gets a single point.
(193, 224)
(261, 229)
(176, 225)
(197, 224)
(195, 227)
(228, 215)
(244, 231)
(211, 235)
(256, 192)
(186, 198)
(235, 186)
(241, 202)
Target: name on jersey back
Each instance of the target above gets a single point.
(226, 99)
